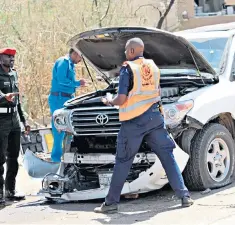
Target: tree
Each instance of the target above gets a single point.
(101, 17)
(163, 7)
(163, 15)
(39, 30)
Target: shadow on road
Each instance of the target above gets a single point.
(132, 211)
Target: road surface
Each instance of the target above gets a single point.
(214, 208)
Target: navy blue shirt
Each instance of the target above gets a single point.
(126, 79)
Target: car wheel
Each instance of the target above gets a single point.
(211, 163)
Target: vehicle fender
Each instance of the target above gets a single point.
(211, 101)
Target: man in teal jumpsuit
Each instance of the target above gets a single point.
(63, 87)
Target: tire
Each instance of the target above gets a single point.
(198, 173)
(187, 138)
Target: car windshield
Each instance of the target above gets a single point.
(211, 48)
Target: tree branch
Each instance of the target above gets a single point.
(83, 20)
(96, 3)
(160, 22)
(146, 5)
(98, 12)
(106, 12)
(18, 34)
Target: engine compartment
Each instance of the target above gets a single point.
(172, 88)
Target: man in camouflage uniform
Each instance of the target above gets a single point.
(10, 130)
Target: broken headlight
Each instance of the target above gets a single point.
(54, 184)
(175, 113)
(61, 118)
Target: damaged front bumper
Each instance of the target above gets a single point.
(54, 184)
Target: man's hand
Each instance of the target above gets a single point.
(10, 96)
(105, 101)
(27, 128)
(82, 83)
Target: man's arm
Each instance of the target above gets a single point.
(1, 96)
(21, 113)
(22, 117)
(61, 75)
(9, 97)
(19, 108)
(124, 86)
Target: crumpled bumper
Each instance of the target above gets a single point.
(53, 185)
(37, 167)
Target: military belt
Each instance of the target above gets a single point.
(8, 110)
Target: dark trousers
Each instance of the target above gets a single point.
(9, 149)
(150, 127)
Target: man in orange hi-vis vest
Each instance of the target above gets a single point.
(140, 115)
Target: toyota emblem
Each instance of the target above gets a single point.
(102, 119)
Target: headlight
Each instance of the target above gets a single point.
(61, 120)
(175, 113)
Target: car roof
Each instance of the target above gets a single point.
(210, 35)
(228, 28)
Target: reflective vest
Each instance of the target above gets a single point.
(145, 91)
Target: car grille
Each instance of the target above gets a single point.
(97, 121)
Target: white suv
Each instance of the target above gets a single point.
(198, 94)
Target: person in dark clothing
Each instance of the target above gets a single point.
(141, 116)
(10, 130)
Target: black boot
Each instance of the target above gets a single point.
(186, 201)
(2, 199)
(12, 195)
(10, 192)
(106, 208)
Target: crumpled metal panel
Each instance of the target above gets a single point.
(37, 167)
(153, 178)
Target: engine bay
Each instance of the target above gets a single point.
(172, 88)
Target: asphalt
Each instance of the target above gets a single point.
(161, 207)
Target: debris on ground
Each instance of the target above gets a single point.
(208, 190)
(131, 196)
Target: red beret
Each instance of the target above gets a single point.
(8, 51)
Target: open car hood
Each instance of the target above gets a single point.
(104, 49)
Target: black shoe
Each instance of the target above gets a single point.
(2, 199)
(186, 201)
(14, 196)
(106, 208)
